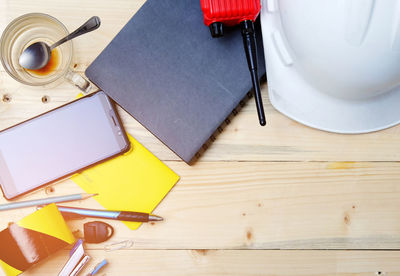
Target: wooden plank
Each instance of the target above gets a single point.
(267, 205)
(281, 140)
(235, 262)
(243, 139)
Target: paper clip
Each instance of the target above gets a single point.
(118, 245)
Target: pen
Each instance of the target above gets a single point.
(115, 215)
(44, 201)
(98, 267)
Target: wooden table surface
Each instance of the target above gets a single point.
(283, 199)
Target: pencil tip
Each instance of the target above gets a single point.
(155, 218)
(85, 196)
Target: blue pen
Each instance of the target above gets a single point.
(106, 214)
(98, 267)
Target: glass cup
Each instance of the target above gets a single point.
(28, 29)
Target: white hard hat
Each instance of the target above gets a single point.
(334, 64)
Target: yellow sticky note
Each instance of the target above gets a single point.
(135, 181)
(49, 221)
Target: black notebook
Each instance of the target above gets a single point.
(166, 70)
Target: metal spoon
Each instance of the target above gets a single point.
(38, 54)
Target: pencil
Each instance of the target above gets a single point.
(44, 201)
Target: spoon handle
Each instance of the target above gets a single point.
(92, 24)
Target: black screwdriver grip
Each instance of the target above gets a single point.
(133, 216)
(249, 43)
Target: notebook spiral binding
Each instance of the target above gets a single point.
(226, 122)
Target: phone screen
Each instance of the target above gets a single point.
(59, 143)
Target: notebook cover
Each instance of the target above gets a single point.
(166, 70)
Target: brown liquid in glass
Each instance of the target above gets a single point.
(50, 67)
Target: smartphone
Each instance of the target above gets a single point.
(59, 143)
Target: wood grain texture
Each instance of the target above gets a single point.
(236, 262)
(283, 186)
(267, 205)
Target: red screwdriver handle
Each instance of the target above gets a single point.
(229, 13)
